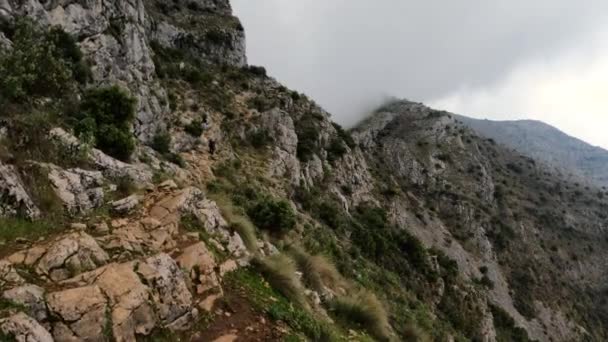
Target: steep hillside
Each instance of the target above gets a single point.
(546, 143)
(155, 187)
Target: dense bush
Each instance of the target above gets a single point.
(105, 117)
(308, 138)
(36, 66)
(273, 215)
(256, 70)
(161, 142)
(194, 128)
(506, 330)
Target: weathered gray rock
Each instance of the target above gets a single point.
(112, 168)
(31, 297)
(79, 190)
(8, 275)
(23, 328)
(5, 43)
(171, 296)
(14, 200)
(126, 205)
(284, 162)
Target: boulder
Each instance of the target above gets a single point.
(79, 190)
(198, 261)
(171, 296)
(23, 328)
(82, 312)
(129, 299)
(31, 297)
(70, 255)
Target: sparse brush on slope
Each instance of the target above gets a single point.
(318, 271)
(280, 271)
(366, 311)
(238, 221)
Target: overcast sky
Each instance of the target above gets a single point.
(500, 59)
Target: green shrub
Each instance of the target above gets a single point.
(218, 37)
(330, 213)
(105, 117)
(260, 138)
(506, 330)
(161, 142)
(34, 67)
(344, 135)
(194, 128)
(308, 138)
(256, 70)
(68, 51)
(273, 215)
(336, 149)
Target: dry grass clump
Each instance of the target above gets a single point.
(280, 271)
(238, 221)
(318, 272)
(366, 311)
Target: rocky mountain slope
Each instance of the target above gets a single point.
(546, 143)
(155, 187)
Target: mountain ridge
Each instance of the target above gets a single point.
(160, 188)
(544, 142)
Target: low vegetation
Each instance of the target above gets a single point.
(280, 271)
(366, 311)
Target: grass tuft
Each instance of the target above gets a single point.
(280, 271)
(366, 311)
(318, 271)
(238, 221)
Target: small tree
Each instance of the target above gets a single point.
(105, 117)
(273, 215)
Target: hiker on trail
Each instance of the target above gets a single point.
(211, 146)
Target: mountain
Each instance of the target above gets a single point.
(156, 187)
(546, 143)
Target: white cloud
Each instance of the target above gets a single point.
(568, 91)
(504, 59)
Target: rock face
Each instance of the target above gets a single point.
(121, 55)
(14, 200)
(79, 190)
(217, 36)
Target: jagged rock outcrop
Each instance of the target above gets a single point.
(14, 199)
(95, 286)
